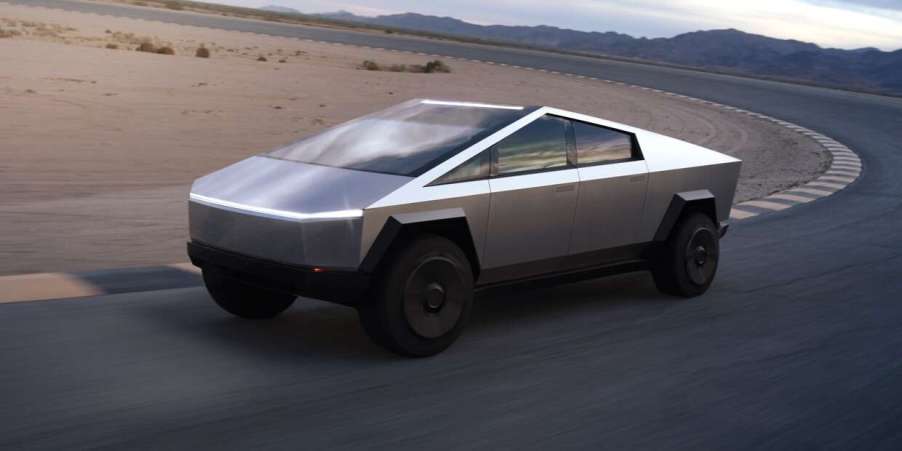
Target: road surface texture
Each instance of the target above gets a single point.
(798, 345)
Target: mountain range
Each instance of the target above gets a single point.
(728, 50)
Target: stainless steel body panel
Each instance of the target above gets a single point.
(311, 215)
(611, 205)
(471, 197)
(296, 187)
(284, 211)
(719, 179)
(531, 217)
(333, 243)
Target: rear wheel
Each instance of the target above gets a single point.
(242, 299)
(688, 260)
(422, 299)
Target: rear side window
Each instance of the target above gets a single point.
(538, 146)
(476, 168)
(597, 145)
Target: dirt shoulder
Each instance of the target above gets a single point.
(101, 144)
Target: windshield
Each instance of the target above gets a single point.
(406, 139)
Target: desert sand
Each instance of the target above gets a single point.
(99, 146)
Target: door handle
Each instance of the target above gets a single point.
(564, 188)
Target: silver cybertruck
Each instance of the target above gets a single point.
(404, 213)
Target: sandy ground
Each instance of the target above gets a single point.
(99, 146)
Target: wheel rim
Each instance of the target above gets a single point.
(701, 256)
(433, 297)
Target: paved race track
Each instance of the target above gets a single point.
(798, 344)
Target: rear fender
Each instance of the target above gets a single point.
(698, 200)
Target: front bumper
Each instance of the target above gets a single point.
(339, 286)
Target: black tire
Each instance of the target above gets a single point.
(422, 298)
(687, 262)
(242, 299)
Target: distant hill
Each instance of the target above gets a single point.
(723, 50)
(280, 9)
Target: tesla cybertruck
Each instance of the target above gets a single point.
(404, 213)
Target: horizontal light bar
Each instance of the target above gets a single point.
(338, 214)
(471, 105)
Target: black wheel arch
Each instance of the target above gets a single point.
(682, 203)
(399, 230)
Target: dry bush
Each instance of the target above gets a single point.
(174, 5)
(283, 60)
(146, 46)
(112, 46)
(202, 52)
(139, 3)
(430, 67)
(436, 66)
(261, 58)
(166, 50)
(370, 65)
(9, 33)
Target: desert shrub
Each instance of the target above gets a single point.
(261, 58)
(389, 32)
(112, 46)
(174, 5)
(428, 68)
(146, 46)
(283, 60)
(139, 3)
(9, 33)
(370, 65)
(202, 52)
(166, 50)
(436, 66)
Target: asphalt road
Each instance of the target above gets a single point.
(798, 344)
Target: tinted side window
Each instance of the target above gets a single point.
(475, 168)
(596, 144)
(540, 145)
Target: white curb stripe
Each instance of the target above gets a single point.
(843, 172)
(765, 204)
(836, 186)
(835, 178)
(846, 166)
(792, 197)
(816, 192)
(736, 213)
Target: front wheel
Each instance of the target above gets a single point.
(242, 299)
(688, 260)
(422, 300)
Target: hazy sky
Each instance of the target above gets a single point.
(830, 23)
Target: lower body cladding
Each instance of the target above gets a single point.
(333, 285)
(350, 287)
(416, 298)
(316, 259)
